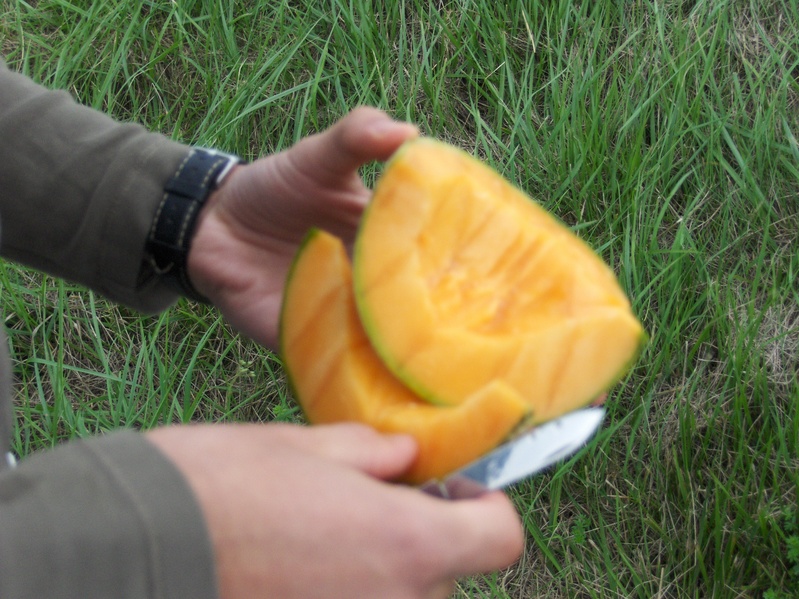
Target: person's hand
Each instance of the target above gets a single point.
(250, 229)
(304, 512)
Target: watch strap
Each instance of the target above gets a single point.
(170, 236)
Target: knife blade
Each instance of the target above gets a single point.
(520, 458)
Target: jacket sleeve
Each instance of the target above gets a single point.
(79, 191)
(107, 517)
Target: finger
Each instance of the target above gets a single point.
(481, 535)
(361, 447)
(364, 135)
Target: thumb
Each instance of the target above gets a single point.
(379, 455)
(363, 135)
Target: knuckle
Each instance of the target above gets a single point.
(415, 545)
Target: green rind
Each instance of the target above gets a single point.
(309, 236)
(363, 311)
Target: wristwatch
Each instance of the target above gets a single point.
(170, 236)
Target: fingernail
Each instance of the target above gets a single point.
(384, 126)
(402, 441)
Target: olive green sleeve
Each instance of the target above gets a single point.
(79, 191)
(110, 517)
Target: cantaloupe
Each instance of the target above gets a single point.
(462, 280)
(468, 312)
(337, 376)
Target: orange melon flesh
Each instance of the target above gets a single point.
(462, 281)
(336, 375)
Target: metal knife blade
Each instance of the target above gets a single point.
(531, 453)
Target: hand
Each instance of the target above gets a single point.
(250, 229)
(303, 512)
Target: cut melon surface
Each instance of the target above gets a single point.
(336, 375)
(462, 282)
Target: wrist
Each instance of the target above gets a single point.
(175, 222)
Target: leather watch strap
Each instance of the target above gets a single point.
(170, 236)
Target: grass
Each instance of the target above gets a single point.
(665, 132)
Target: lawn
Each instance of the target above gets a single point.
(664, 132)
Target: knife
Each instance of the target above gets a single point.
(520, 458)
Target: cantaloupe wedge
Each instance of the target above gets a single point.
(462, 280)
(337, 376)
